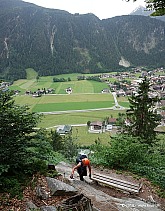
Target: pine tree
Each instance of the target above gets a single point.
(142, 114)
(16, 129)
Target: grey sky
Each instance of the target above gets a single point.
(101, 8)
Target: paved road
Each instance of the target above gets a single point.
(117, 106)
(74, 111)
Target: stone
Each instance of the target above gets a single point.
(48, 208)
(41, 193)
(31, 206)
(59, 188)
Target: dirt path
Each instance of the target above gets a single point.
(107, 199)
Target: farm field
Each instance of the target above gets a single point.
(52, 120)
(48, 103)
(83, 138)
(82, 86)
(86, 95)
(123, 101)
(80, 133)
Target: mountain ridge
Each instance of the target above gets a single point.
(54, 41)
(144, 12)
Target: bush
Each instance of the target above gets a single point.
(127, 153)
(121, 151)
(10, 185)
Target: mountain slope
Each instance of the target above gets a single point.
(54, 41)
(143, 11)
(139, 39)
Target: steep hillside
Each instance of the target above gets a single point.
(139, 40)
(54, 41)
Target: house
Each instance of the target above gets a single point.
(69, 90)
(96, 127)
(108, 127)
(120, 93)
(111, 121)
(64, 129)
(163, 118)
(160, 130)
(129, 93)
(162, 103)
(105, 90)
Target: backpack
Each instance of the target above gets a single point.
(80, 157)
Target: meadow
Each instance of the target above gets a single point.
(86, 95)
(52, 120)
(82, 86)
(48, 103)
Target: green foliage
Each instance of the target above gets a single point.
(100, 153)
(88, 123)
(142, 115)
(57, 141)
(70, 148)
(24, 151)
(128, 153)
(59, 79)
(153, 168)
(64, 145)
(11, 185)
(15, 127)
(94, 78)
(122, 151)
(157, 5)
(31, 74)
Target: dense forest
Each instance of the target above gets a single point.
(55, 41)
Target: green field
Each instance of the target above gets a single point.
(86, 95)
(83, 86)
(47, 103)
(80, 134)
(52, 120)
(83, 137)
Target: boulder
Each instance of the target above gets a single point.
(31, 206)
(48, 208)
(42, 193)
(59, 188)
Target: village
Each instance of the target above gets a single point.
(124, 85)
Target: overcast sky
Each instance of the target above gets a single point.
(101, 8)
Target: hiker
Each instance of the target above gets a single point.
(82, 164)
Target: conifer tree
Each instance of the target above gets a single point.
(16, 128)
(142, 114)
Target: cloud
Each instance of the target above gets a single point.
(101, 8)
